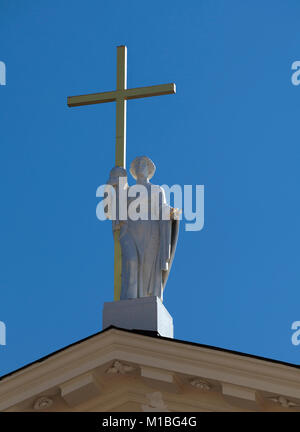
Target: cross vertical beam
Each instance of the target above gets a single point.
(121, 105)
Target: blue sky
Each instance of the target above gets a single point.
(233, 126)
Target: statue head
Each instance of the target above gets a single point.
(115, 174)
(142, 167)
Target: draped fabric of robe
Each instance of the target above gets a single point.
(148, 248)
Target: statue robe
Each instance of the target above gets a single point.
(148, 247)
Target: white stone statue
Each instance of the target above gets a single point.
(148, 244)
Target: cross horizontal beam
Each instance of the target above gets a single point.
(126, 94)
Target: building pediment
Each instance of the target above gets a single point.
(119, 370)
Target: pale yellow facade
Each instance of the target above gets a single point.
(118, 370)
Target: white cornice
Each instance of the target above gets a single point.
(167, 355)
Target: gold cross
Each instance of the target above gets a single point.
(120, 96)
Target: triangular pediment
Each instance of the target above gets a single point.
(118, 370)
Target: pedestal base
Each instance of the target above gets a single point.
(147, 313)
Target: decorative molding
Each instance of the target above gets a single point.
(199, 384)
(177, 358)
(240, 396)
(43, 403)
(284, 402)
(163, 380)
(80, 389)
(119, 368)
(156, 403)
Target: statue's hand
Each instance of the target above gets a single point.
(175, 213)
(115, 226)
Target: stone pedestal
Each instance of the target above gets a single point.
(147, 313)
